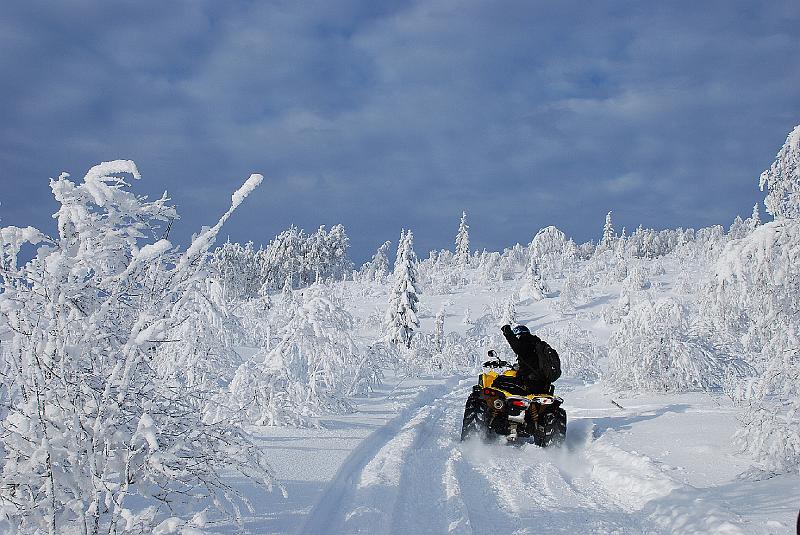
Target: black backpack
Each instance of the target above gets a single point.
(549, 362)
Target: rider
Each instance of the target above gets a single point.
(524, 344)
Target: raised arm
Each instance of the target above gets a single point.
(511, 338)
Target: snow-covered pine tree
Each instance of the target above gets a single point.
(782, 180)
(282, 257)
(287, 297)
(621, 243)
(401, 320)
(377, 269)
(738, 228)
(338, 265)
(607, 241)
(463, 255)
(438, 329)
(533, 287)
(509, 313)
(755, 218)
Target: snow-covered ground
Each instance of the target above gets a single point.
(663, 464)
(656, 463)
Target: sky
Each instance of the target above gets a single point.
(401, 114)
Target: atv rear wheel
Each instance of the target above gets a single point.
(551, 430)
(474, 423)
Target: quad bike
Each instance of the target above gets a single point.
(500, 405)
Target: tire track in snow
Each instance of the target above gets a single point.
(349, 505)
(421, 494)
(439, 489)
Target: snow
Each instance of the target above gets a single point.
(412, 475)
(146, 430)
(246, 189)
(664, 463)
(99, 181)
(151, 251)
(206, 391)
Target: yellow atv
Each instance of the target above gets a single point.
(499, 404)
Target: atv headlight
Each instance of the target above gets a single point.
(498, 404)
(543, 400)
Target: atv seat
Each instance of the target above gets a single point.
(518, 387)
(538, 389)
(512, 385)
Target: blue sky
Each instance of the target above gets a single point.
(382, 115)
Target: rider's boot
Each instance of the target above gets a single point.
(512, 433)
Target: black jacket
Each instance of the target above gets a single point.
(526, 349)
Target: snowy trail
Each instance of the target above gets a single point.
(377, 461)
(415, 476)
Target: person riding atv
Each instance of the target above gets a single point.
(539, 365)
(518, 401)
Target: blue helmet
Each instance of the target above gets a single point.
(519, 329)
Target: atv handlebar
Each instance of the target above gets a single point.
(496, 364)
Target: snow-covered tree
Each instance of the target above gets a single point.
(656, 349)
(755, 218)
(614, 312)
(738, 228)
(200, 349)
(238, 269)
(620, 270)
(287, 296)
(401, 320)
(438, 329)
(509, 313)
(256, 320)
(782, 180)
(335, 263)
(552, 251)
(770, 423)
(378, 268)
(621, 242)
(282, 258)
(314, 367)
(578, 352)
(92, 439)
(533, 287)
(571, 292)
(463, 255)
(304, 258)
(752, 304)
(586, 250)
(607, 241)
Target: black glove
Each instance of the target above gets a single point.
(506, 329)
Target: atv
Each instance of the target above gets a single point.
(500, 405)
